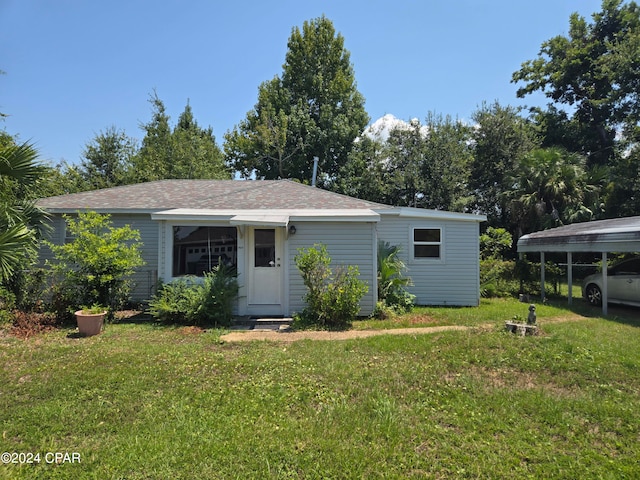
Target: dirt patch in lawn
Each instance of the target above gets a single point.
(288, 336)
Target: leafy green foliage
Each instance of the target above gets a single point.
(176, 302)
(29, 288)
(498, 278)
(365, 173)
(333, 298)
(501, 137)
(495, 243)
(419, 165)
(94, 267)
(391, 280)
(107, 159)
(187, 300)
(551, 187)
(7, 304)
(591, 77)
(592, 70)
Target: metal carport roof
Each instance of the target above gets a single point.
(613, 235)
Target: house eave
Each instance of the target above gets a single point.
(423, 213)
(276, 217)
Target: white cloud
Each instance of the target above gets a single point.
(382, 127)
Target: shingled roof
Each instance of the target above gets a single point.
(205, 194)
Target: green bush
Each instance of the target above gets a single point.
(95, 266)
(220, 290)
(333, 298)
(495, 243)
(498, 278)
(176, 302)
(506, 278)
(194, 302)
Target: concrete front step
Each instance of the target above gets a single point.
(262, 323)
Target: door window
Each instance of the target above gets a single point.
(265, 247)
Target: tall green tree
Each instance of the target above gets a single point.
(500, 138)
(62, 179)
(428, 165)
(186, 151)
(107, 159)
(448, 158)
(406, 156)
(365, 174)
(594, 72)
(195, 153)
(312, 110)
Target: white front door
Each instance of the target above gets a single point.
(266, 271)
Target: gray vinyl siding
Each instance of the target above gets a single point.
(146, 277)
(347, 244)
(455, 278)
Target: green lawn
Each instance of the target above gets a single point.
(142, 401)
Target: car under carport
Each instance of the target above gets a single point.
(600, 236)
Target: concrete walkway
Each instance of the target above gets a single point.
(288, 336)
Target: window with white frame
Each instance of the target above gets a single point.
(427, 243)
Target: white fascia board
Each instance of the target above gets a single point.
(334, 215)
(410, 212)
(279, 217)
(191, 214)
(265, 219)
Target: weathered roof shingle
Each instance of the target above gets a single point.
(206, 194)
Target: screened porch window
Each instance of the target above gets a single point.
(197, 250)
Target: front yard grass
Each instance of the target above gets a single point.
(145, 401)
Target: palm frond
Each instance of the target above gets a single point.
(20, 163)
(14, 243)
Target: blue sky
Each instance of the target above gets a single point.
(74, 68)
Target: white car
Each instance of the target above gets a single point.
(623, 284)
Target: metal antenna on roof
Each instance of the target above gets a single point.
(315, 171)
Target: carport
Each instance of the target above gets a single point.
(603, 236)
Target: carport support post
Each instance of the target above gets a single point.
(570, 276)
(542, 276)
(605, 289)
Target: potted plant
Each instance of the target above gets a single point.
(90, 320)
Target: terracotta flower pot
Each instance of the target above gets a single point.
(89, 323)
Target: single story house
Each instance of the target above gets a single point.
(187, 226)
